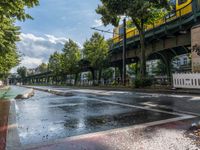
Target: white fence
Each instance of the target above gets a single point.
(190, 80)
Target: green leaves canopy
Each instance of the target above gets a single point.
(43, 68)
(55, 63)
(22, 71)
(140, 11)
(71, 57)
(10, 11)
(16, 8)
(96, 51)
(67, 61)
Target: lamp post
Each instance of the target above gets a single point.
(124, 53)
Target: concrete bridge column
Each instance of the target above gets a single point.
(195, 48)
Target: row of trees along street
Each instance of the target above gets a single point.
(95, 52)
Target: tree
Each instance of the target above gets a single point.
(22, 71)
(108, 73)
(71, 57)
(141, 12)
(10, 11)
(96, 52)
(55, 63)
(8, 60)
(43, 68)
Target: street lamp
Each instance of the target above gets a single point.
(124, 53)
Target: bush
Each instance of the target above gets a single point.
(140, 83)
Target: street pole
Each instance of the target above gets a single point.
(124, 53)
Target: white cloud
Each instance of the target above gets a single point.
(40, 47)
(56, 40)
(31, 62)
(30, 37)
(28, 62)
(37, 49)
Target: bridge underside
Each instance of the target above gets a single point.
(169, 47)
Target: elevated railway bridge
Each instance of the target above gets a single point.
(164, 39)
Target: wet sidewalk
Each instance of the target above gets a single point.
(171, 136)
(4, 113)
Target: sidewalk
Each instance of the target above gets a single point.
(4, 113)
(174, 136)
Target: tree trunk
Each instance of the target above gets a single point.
(143, 58)
(140, 27)
(99, 79)
(76, 78)
(93, 75)
(136, 69)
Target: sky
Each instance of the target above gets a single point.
(55, 21)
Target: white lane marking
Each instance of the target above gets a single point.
(68, 104)
(166, 107)
(140, 107)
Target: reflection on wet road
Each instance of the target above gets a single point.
(47, 117)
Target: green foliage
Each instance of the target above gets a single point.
(71, 57)
(22, 71)
(55, 63)
(66, 62)
(8, 60)
(16, 8)
(10, 11)
(132, 69)
(107, 73)
(43, 68)
(141, 83)
(96, 51)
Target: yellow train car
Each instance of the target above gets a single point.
(182, 7)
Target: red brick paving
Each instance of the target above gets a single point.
(4, 113)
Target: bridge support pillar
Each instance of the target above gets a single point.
(167, 60)
(169, 69)
(195, 39)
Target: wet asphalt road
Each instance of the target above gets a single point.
(47, 117)
(168, 102)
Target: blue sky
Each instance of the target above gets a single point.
(54, 22)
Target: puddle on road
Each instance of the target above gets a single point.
(47, 117)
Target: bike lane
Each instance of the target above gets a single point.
(4, 114)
